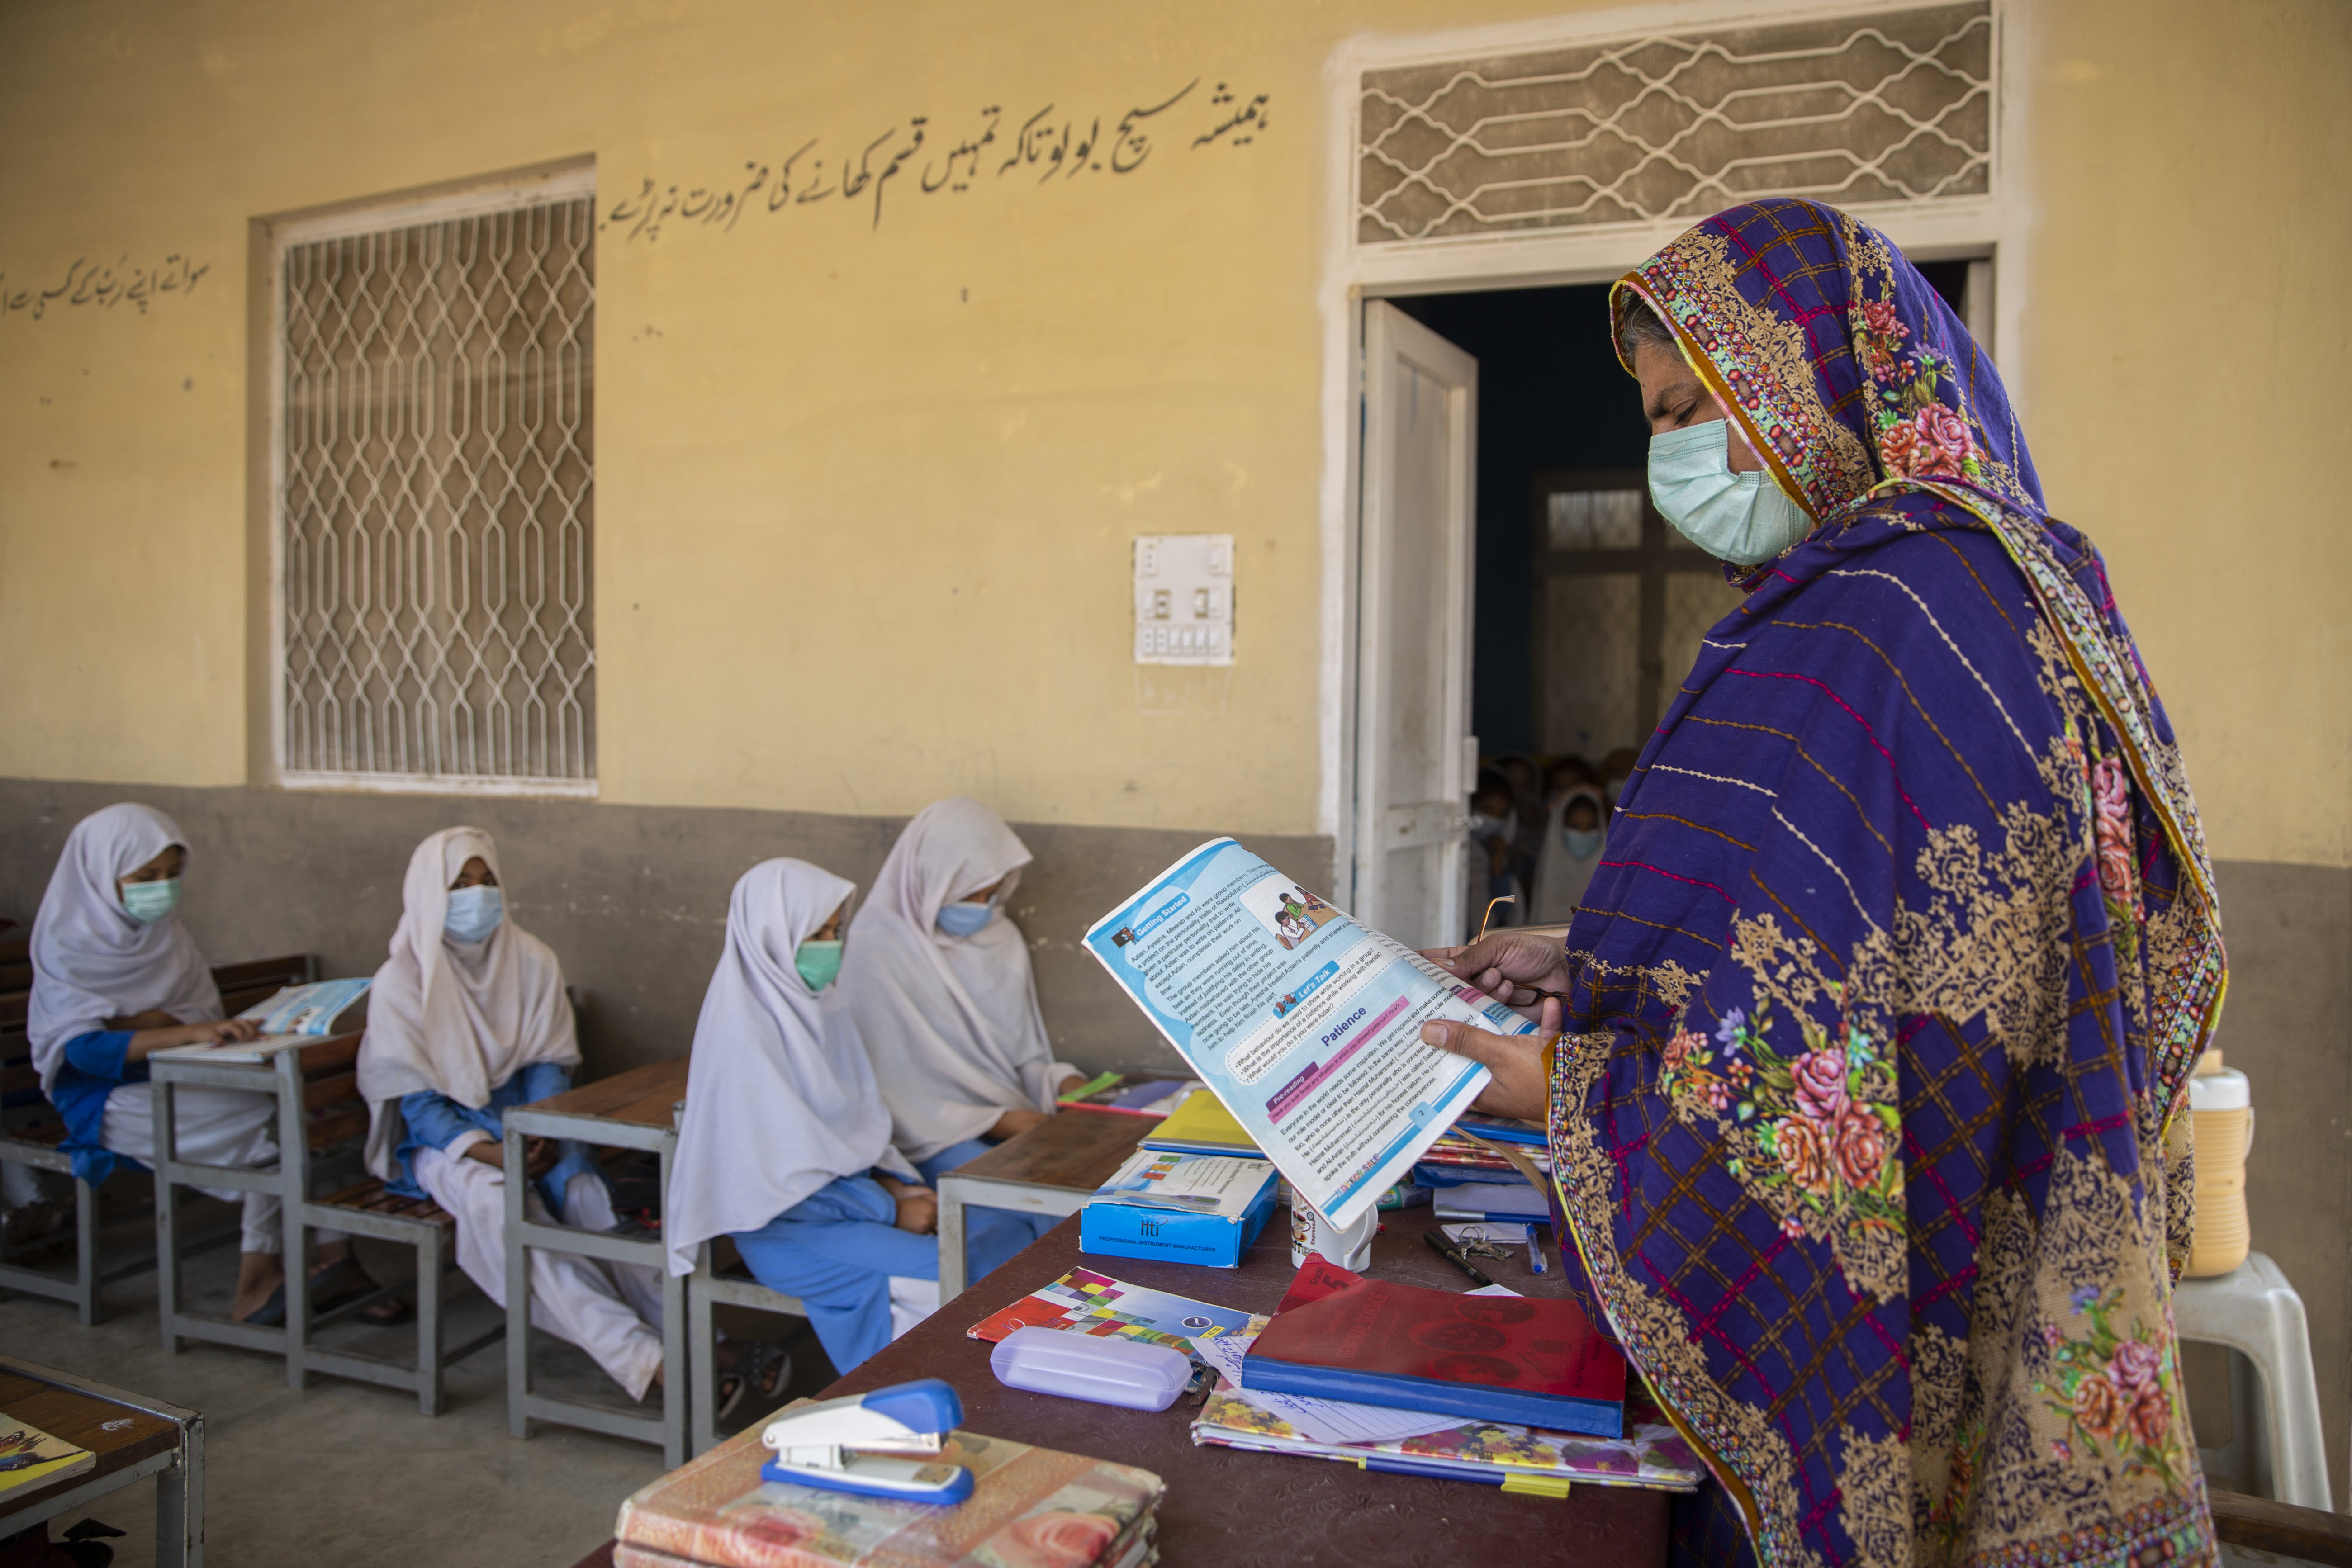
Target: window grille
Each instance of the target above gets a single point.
(1622, 601)
(436, 501)
(1862, 109)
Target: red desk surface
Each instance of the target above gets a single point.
(1226, 1509)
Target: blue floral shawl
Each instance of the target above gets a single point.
(1885, 998)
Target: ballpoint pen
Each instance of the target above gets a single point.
(1453, 1255)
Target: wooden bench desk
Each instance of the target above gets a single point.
(30, 1130)
(634, 1110)
(320, 1123)
(133, 1437)
(1051, 1169)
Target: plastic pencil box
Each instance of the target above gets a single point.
(1105, 1369)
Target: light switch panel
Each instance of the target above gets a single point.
(1184, 598)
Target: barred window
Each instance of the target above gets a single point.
(436, 463)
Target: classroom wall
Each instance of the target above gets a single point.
(866, 477)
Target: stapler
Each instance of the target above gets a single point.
(875, 1445)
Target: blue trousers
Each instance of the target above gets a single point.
(1032, 1225)
(837, 1249)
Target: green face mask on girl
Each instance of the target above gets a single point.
(148, 902)
(818, 963)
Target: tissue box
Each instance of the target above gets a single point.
(1180, 1208)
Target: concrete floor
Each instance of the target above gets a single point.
(346, 1472)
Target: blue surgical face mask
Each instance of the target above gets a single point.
(818, 962)
(474, 914)
(1745, 518)
(148, 902)
(1582, 843)
(963, 919)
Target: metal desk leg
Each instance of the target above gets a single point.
(293, 1147)
(167, 1215)
(180, 1501)
(86, 1250)
(429, 1333)
(675, 1378)
(702, 1348)
(951, 1258)
(518, 1290)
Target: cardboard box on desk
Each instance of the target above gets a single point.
(1180, 1208)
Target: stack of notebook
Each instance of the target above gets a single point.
(1497, 1453)
(1483, 1386)
(1028, 1506)
(1474, 1355)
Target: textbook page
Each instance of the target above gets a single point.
(1305, 1024)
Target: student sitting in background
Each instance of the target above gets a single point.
(785, 1144)
(938, 980)
(1572, 853)
(116, 976)
(469, 1018)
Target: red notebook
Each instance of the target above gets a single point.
(1337, 1336)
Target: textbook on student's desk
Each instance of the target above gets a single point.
(294, 1017)
(1305, 1024)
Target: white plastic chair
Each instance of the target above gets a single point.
(2253, 1310)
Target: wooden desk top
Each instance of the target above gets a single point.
(1229, 1507)
(81, 1419)
(643, 1096)
(1078, 1148)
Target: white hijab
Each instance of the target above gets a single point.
(457, 1018)
(951, 1022)
(91, 961)
(780, 1097)
(1560, 878)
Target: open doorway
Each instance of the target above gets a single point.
(1587, 609)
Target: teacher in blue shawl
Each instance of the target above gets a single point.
(1867, 1096)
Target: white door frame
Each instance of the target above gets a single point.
(1991, 227)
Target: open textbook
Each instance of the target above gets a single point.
(293, 1017)
(1305, 1024)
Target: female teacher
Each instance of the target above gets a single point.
(1864, 1060)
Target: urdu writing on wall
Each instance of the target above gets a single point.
(88, 283)
(909, 159)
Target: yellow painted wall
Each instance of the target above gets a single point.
(2191, 185)
(864, 492)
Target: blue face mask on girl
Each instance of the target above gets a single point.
(474, 914)
(963, 919)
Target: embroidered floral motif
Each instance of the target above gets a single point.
(1815, 1126)
(2114, 1390)
(1918, 435)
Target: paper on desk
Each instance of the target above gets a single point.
(1319, 1420)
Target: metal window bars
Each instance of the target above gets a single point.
(1866, 109)
(436, 496)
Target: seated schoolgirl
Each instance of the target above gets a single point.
(939, 979)
(785, 1144)
(468, 1019)
(116, 977)
(1570, 854)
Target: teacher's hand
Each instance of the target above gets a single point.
(1514, 967)
(1519, 1088)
